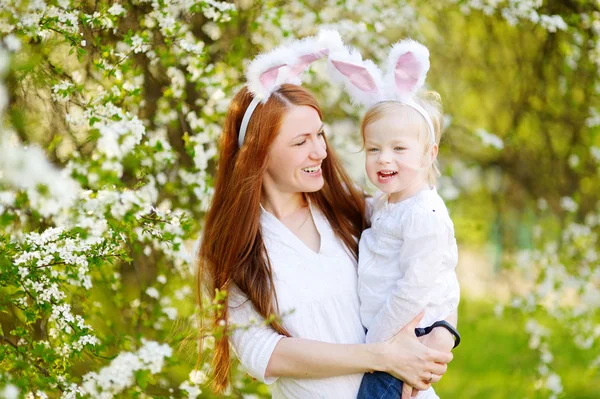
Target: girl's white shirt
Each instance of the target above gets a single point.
(407, 264)
(318, 299)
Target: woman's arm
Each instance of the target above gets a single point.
(267, 355)
(403, 356)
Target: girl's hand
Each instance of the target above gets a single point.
(409, 360)
(439, 339)
(408, 391)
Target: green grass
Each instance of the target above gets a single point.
(494, 360)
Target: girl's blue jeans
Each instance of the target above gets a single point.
(380, 385)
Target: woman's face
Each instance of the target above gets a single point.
(294, 161)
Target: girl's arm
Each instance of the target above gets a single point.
(425, 243)
(267, 355)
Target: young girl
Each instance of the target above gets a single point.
(407, 258)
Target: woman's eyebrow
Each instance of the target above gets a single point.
(308, 134)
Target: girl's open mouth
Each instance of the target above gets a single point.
(386, 175)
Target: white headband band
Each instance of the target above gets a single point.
(256, 101)
(246, 120)
(425, 115)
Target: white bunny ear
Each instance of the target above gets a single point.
(361, 79)
(407, 67)
(330, 39)
(311, 49)
(265, 72)
(301, 64)
(287, 63)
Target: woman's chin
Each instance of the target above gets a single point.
(313, 186)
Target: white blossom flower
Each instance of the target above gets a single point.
(10, 391)
(595, 151)
(192, 390)
(117, 9)
(574, 161)
(12, 43)
(553, 383)
(490, 139)
(120, 373)
(171, 312)
(552, 23)
(183, 292)
(198, 377)
(28, 168)
(152, 292)
(568, 204)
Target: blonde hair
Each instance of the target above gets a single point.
(431, 102)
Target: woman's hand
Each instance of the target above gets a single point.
(406, 358)
(439, 339)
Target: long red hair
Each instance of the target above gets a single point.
(232, 249)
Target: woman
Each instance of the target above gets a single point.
(281, 236)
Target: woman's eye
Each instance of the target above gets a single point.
(322, 133)
(300, 143)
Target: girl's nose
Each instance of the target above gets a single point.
(384, 158)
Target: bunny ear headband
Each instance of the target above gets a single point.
(284, 64)
(407, 68)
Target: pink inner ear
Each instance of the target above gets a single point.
(305, 60)
(358, 75)
(407, 72)
(269, 77)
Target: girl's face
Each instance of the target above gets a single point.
(395, 160)
(294, 161)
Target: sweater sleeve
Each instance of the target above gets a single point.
(425, 239)
(251, 339)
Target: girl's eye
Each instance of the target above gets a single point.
(399, 148)
(373, 149)
(322, 133)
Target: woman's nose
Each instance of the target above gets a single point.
(319, 150)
